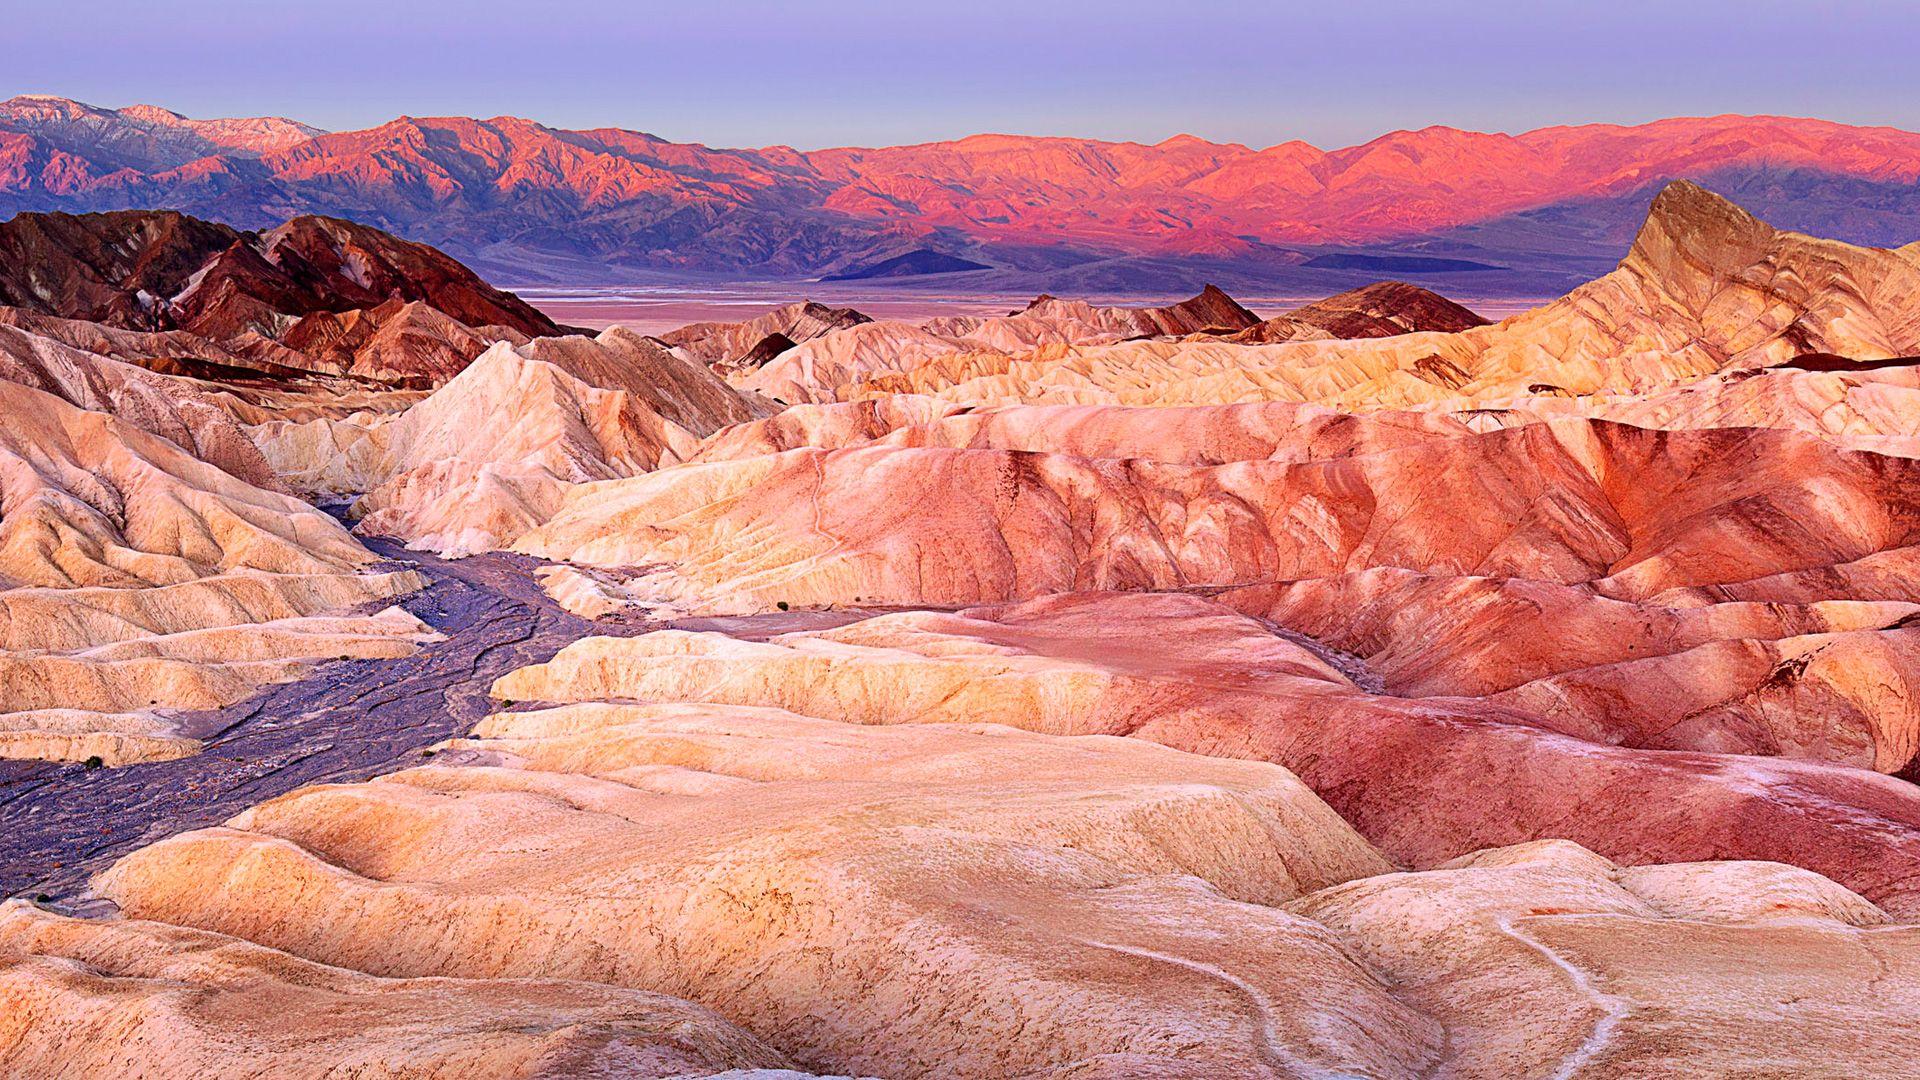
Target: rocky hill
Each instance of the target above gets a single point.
(315, 294)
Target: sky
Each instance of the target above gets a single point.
(855, 72)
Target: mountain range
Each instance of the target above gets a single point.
(1483, 213)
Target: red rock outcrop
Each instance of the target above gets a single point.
(334, 297)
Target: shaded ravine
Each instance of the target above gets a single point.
(346, 721)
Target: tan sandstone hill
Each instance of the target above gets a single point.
(1383, 309)
(950, 900)
(172, 408)
(1414, 775)
(1202, 435)
(812, 372)
(137, 579)
(742, 346)
(490, 455)
(102, 998)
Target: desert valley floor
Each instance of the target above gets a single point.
(398, 682)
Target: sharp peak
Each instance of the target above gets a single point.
(1685, 190)
(1684, 205)
(1188, 139)
(1687, 225)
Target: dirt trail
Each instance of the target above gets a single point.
(348, 720)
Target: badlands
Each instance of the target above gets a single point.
(395, 683)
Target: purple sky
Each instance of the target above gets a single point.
(835, 72)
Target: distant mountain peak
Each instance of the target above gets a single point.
(153, 113)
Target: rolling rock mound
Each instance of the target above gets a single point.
(1211, 310)
(1197, 436)
(828, 426)
(1705, 288)
(732, 347)
(956, 899)
(1411, 774)
(1383, 309)
(491, 454)
(103, 998)
(136, 579)
(809, 372)
(1860, 405)
(172, 408)
(1206, 435)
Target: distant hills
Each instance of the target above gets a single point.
(524, 202)
(916, 263)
